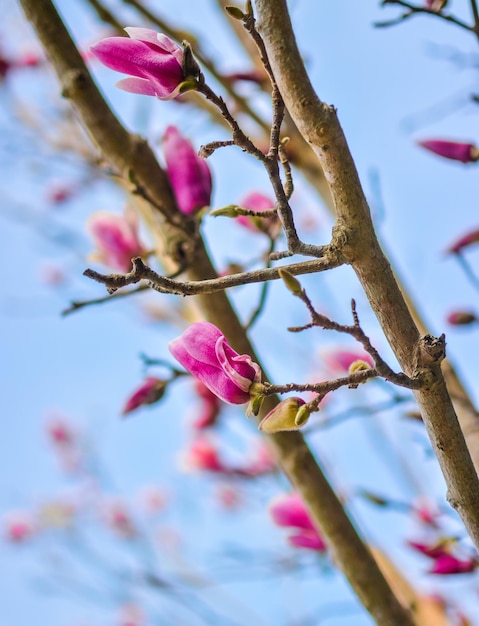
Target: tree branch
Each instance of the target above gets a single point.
(293, 454)
(318, 123)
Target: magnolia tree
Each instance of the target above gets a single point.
(239, 291)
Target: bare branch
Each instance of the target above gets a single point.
(163, 284)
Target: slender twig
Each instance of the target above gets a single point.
(164, 284)
(413, 10)
(475, 15)
(468, 271)
(351, 381)
(76, 305)
(264, 291)
(382, 368)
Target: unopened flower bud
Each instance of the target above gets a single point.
(461, 318)
(454, 150)
(291, 282)
(282, 417)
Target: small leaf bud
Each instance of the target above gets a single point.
(291, 282)
(235, 12)
(230, 210)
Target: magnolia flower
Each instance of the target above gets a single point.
(116, 239)
(463, 242)
(454, 150)
(449, 564)
(149, 392)
(189, 175)
(289, 511)
(203, 350)
(202, 455)
(152, 59)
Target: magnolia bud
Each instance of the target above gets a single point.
(282, 417)
(291, 282)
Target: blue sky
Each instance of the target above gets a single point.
(391, 87)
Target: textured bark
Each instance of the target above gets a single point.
(354, 231)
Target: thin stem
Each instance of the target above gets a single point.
(77, 305)
(413, 9)
(352, 381)
(468, 271)
(264, 292)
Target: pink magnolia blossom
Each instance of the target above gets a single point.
(18, 526)
(149, 392)
(203, 456)
(449, 564)
(463, 242)
(258, 202)
(116, 239)
(454, 150)
(189, 175)
(461, 318)
(152, 59)
(203, 350)
(289, 511)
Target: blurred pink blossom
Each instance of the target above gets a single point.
(461, 318)
(465, 241)
(60, 432)
(116, 239)
(189, 175)
(151, 391)
(449, 564)
(118, 519)
(152, 59)
(289, 511)
(202, 455)
(454, 150)
(229, 496)
(153, 499)
(18, 526)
